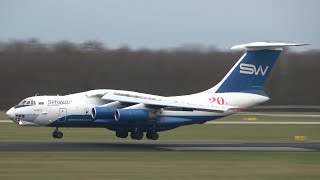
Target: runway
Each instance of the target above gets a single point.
(244, 122)
(155, 146)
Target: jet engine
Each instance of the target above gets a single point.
(133, 115)
(103, 112)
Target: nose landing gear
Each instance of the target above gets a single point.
(57, 134)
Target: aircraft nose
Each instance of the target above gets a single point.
(10, 113)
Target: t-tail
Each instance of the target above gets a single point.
(252, 70)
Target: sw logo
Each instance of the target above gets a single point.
(252, 69)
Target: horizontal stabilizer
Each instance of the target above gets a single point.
(264, 45)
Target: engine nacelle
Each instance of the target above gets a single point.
(103, 112)
(133, 115)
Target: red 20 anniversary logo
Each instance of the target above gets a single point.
(218, 100)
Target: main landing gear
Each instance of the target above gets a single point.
(138, 135)
(57, 134)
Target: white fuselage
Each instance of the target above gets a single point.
(76, 109)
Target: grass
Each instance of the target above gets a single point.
(3, 115)
(194, 133)
(161, 165)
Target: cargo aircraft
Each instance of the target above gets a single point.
(138, 113)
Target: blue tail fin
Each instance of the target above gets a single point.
(250, 73)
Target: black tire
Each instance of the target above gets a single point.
(132, 135)
(125, 134)
(152, 135)
(122, 134)
(54, 134)
(149, 135)
(118, 134)
(137, 135)
(155, 136)
(59, 135)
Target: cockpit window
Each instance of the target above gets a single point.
(22, 102)
(26, 102)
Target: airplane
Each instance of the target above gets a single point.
(137, 113)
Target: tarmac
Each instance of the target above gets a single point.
(244, 122)
(156, 146)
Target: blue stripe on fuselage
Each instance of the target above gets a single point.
(87, 121)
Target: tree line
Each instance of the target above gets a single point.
(32, 67)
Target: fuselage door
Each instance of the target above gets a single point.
(62, 115)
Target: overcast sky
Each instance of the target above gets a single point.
(162, 23)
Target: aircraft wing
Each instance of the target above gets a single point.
(158, 102)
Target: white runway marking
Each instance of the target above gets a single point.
(269, 149)
(280, 115)
(5, 121)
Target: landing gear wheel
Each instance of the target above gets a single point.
(148, 135)
(155, 136)
(137, 135)
(122, 134)
(152, 135)
(57, 134)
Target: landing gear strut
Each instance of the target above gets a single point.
(57, 134)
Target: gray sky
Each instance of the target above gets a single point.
(162, 23)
